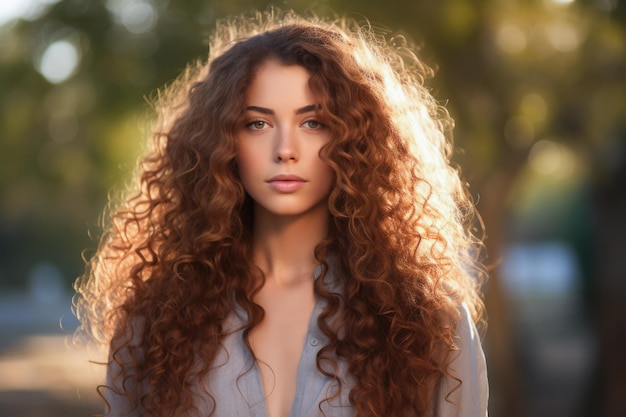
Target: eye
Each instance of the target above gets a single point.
(313, 124)
(257, 125)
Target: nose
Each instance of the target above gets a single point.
(286, 146)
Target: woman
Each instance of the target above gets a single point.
(297, 243)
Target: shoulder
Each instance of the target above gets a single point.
(465, 391)
(125, 353)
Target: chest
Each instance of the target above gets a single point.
(237, 386)
(278, 343)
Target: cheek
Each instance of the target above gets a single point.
(245, 161)
(326, 174)
(251, 169)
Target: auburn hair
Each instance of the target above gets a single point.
(176, 252)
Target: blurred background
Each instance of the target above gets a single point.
(538, 91)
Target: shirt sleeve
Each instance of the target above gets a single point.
(470, 398)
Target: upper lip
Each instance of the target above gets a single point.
(285, 177)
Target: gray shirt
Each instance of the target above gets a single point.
(235, 380)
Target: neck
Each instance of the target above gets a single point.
(284, 246)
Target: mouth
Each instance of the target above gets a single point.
(286, 178)
(286, 183)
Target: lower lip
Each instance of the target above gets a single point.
(286, 186)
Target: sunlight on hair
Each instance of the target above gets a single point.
(59, 61)
(364, 56)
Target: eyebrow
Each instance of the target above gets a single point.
(301, 110)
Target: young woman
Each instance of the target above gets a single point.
(297, 243)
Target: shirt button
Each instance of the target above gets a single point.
(314, 341)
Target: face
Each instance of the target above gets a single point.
(279, 143)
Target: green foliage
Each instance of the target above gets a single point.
(513, 72)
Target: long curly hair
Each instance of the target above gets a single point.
(176, 252)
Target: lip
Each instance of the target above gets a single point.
(286, 183)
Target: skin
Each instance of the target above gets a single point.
(280, 167)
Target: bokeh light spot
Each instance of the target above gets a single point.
(137, 16)
(534, 108)
(59, 61)
(563, 37)
(545, 157)
(511, 39)
(23, 9)
(548, 157)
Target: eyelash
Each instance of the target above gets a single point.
(253, 124)
(319, 125)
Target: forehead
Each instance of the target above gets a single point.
(275, 82)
